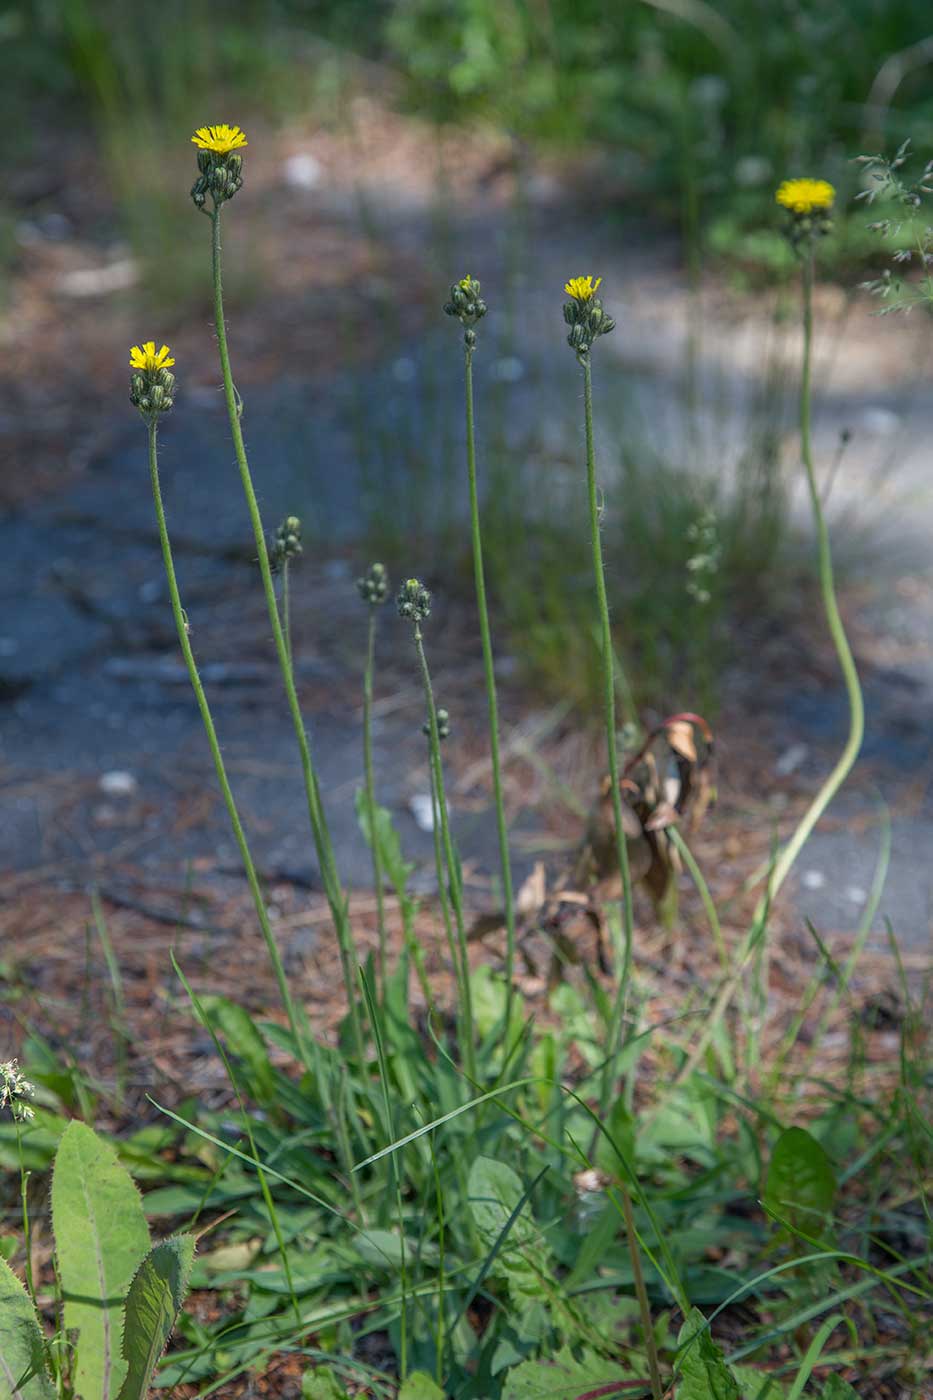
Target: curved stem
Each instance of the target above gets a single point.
(453, 870)
(853, 743)
(371, 797)
(335, 895)
(181, 627)
(491, 700)
(609, 717)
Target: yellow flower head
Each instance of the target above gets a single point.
(805, 196)
(466, 282)
(220, 139)
(582, 288)
(145, 357)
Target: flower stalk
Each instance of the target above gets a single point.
(373, 588)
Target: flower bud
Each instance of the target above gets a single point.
(373, 587)
(413, 600)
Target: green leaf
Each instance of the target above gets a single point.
(835, 1388)
(801, 1184)
(152, 1306)
(100, 1237)
(494, 1191)
(420, 1386)
(322, 1384)
(621, 1128)
(238, 1029)
(390, 847)
(704, 1374)
(564, 1378)
(23, 1374)
(757, 1385)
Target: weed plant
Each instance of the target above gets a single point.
(482, 1201)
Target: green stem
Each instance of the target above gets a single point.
(853, 743)
(181, 627)
(491, 700)
(371, 798)
(641, 1293)
(609, 717)
(453, 869)
(335, 895)
(287, 612)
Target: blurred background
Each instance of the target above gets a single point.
(395, 145)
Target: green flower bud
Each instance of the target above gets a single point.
(413, 600)
(373, 587)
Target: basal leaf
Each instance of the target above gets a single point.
(704, 1374)
(565, 1378)
(756, 1385)
(835, 1388)
(420, 1386)
(23, 1374)
(100, 1237)
(390, 847)
(152, 1306)
(801, 1184)
(494, 1192)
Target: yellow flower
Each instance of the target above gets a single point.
(582, 288)
(220, 139)
(145, 357)
(465, 282)
(805, 196)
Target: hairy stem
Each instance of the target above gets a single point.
(336, 898)
(491, 699)
(371, 796)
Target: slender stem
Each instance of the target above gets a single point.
(641, 1293)
(287, 612)
(491, 700)
(335, 894)
(371, 797)
(453, 870)
(853, 742)
(181, 627)
(609, 717)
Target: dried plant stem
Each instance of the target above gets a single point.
(609, 717)
(641, 1293)
(181, 627)
(370, 781)
(491, 698)
(450, 858)
(336, 897)
(853, 743)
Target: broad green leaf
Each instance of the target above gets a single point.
(100, 1237)
(488, 992)
(23, 1375)
(322, 1384)
(564, 1378)
(152, 1306)
(801, 1184)
(835, 1388)
(420, 1386)
(704, 1374)
(757, 1385)
(243, 1040)
(494, 1191)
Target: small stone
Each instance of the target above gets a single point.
(791, 759)
(303, 171)
(856, 895)
(118, 783)
(422, 809)
(814, 879)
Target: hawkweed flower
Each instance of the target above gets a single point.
(287, 544)
(584, 315)
(413, 601)
(468, 306)
(152, 384)
(15, 1089)
(220, 165)
(809, 207)
(373, 586)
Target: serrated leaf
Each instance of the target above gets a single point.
(23, 1374)
(494, 1191)
(564, 1378)
(420, 1386)
(100, 1238)
(756, 1385)
(152, 1306)
(704, 1374)
(801, 1183)
(322, 1384)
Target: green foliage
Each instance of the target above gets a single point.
(801, 1185)
(419, 1386)
(100, 1238)
(153, 1303)
(23, 1366)
(704, 1374)
(118, 1302)
(565, 1376)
